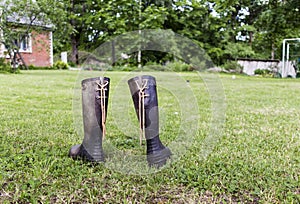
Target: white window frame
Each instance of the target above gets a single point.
(28, 42)
(29, 45)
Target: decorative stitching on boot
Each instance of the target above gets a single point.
(142, 96)
(102, 88)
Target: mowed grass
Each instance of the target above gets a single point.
(256, 159)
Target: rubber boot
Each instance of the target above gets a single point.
(144, 95)
(95, 92)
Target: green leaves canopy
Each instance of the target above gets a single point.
(224, 28)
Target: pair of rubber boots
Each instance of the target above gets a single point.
(95, 93)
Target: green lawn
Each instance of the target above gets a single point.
(256, 159)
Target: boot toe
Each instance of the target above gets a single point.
(74, 151)
(159, 158)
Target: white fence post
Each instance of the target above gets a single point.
(64, 57)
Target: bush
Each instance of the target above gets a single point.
(153, 66)
(4, 66)
(263, 72)
(178, 66)
(32, 67)
(259, 72)
(72, 64)
(60, 65)
(233, 66)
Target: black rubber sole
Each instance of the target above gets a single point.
(79, 152)
(160, 158)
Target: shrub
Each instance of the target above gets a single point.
(32, 67)
(153, 66)
(264, 72)
(128, 69)
(60, 65)
(178, 66)
(233, 66)
(4, 66)
(259, 72)
(72, 64)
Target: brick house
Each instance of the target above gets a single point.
(36, 48)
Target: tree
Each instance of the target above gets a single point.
(77, 10)
(262, 24)
(273, 26)
(119, 16)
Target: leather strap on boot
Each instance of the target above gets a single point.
(142, 85)
(102, 88)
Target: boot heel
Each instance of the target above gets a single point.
(160, 158)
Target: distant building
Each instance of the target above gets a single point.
(37, 47)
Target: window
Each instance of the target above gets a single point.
(24, 43)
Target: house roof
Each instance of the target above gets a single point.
(25, 20)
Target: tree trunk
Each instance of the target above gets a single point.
(14, 62)
(250, 38)
(24, 65)
(113, 53)
(273, 51)
(74, 54)
(74, 41)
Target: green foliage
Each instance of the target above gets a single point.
(72, 64)
(238, 50)
(231, 33)
(153, 66)
(221, 27)
(60, 65)
(32, 67)
(233, 66)
(216, 54)
(153, 17)
(178, 66)
(264, 72)
(4, 66)
(260, 71)
(175, 66)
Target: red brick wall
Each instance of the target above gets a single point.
(40, 55)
